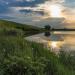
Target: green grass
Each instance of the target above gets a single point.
(26, 29)
(21, 57)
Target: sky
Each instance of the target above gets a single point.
(34, 11)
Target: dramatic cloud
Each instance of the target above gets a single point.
(35, 10)
(26, 0)
(58, 1)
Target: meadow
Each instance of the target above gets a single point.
(21, 57)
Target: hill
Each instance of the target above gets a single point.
(26, 29)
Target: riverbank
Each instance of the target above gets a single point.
(26, 30)
(21, 57)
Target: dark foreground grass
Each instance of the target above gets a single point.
(20, 57)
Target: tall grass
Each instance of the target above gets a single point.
(20, 57)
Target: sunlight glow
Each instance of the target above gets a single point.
(54, 44)
(55, 11)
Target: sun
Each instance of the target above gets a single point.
(55, 11)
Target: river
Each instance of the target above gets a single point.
(55, 41)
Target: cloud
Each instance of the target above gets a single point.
(30, 8)
(58, 1)
(25, 0)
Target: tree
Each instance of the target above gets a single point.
(47, 27)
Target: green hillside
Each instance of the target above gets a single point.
(21, 57)
(26, 29)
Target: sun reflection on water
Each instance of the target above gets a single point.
(55, 46)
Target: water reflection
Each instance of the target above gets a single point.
(55, 46)
(55, 41)
(47, 34)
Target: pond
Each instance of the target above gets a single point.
(55, 41)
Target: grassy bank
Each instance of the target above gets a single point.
(17, 27)
(20, 57)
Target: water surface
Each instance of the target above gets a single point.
(55, 41)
